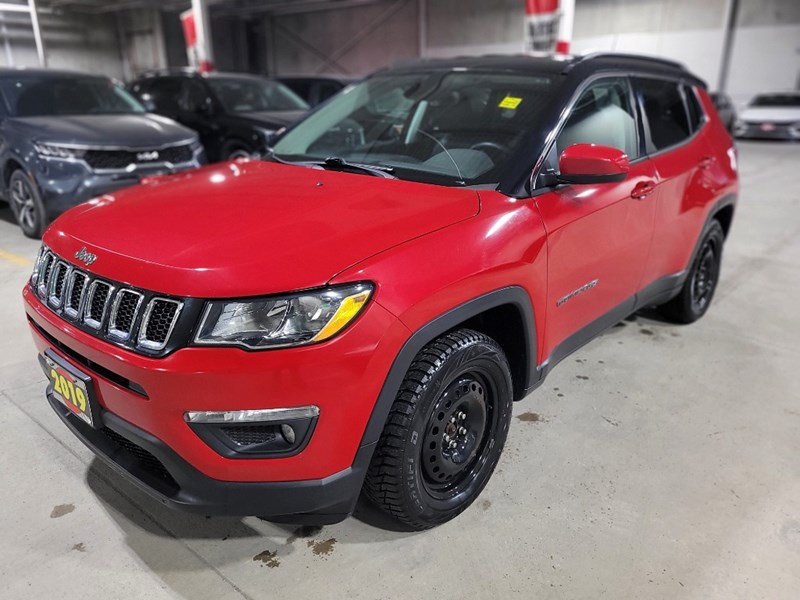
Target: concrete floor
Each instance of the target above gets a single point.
(658, 462)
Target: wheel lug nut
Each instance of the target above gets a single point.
(452, 419)
(462, 416)
(462, 430)
(446, 438)
(453, 444)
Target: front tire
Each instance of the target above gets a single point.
(445, 431)
(695, 296)
(26, 204)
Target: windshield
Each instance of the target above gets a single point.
(787, 100)
(453, 128)
(254, 95)
(54, 96)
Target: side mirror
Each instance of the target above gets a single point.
(592, 163)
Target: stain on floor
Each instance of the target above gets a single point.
(306, 531)
(530, 417)
(268, 558)
(79, 547)
(584, 377)
(486, 504)
(646, 331)
(322, 547)
(61, 510)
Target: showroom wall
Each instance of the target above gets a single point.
(78, 42)
(766, 48)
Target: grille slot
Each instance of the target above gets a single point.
(158, 322)
(123, 313)
(57, 278)
(122, 159)
(97, 303)
(45, 270)
(74, 295)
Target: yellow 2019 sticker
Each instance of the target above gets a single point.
(510, 102)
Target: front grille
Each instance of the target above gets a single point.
(134, 318)
(249, 435)
(122, 159)
(144, 459)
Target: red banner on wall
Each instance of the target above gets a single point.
(541, 26)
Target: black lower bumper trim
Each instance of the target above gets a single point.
(318, 501)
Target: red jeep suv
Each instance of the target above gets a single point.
(359, 309)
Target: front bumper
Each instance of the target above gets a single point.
(778, 131)
(143, 401)
(64, 183)
(155, 468)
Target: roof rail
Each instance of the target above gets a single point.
(167, 71)
(620, 55)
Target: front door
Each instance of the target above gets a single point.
(599, 235)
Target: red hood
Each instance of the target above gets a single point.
(251, 228)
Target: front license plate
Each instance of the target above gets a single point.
(767, 127)
(70, 386)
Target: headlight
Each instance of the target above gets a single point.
(58, 151)
(290, 320)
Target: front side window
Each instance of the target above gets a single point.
(63, 96)
(665, 111)
(242, 95)
(602, 115)
(451, 127)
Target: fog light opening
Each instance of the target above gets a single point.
(287, 431)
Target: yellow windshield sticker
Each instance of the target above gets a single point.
(510, 102)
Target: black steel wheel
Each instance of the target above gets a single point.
(26, 204)
(695, 297)
(445, 432)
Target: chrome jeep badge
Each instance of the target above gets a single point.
(85, 256)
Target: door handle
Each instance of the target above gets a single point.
(642, 190)
(706, 162)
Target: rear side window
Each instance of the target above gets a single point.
(665, 111)
(693, 106)
(164, 94)
(602, 115)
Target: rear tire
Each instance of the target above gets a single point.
(26, 204)
(695, 296)
(445, 431)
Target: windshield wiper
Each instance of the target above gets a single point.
(337, 163)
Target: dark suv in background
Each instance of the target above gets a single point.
(316, 90)
(67, 137)
(235, 115)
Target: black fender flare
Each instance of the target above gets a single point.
(513, 295)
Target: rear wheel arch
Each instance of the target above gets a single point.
(725, 217)
(9, 167)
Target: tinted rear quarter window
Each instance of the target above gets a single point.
(665, 112)
(696, 115)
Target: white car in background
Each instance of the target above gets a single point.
(771, 116)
